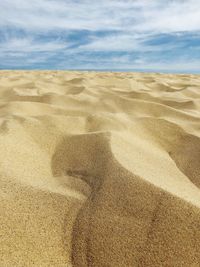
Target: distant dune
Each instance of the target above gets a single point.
(99, 169)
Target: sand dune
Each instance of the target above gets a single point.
(99, 169)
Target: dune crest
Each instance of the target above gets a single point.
(99, 169)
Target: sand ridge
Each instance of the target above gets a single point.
(99, 169)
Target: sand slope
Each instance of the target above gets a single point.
(99, 169)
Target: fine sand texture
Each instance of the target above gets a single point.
(99, 169)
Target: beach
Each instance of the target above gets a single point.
(99, 169)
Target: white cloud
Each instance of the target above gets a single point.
(144, 15)
(126, 42)
(27, 45)
(133, 23)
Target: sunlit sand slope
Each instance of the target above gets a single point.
(99, 169)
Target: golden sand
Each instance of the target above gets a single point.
(99, 169)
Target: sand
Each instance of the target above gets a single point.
(99, 169)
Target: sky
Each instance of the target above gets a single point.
(149, 35)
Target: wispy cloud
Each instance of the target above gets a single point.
(140, 15)
(100, 34)
(30, 45)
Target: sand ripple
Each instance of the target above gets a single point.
(99, 169)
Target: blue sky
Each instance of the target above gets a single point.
(152, 35)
